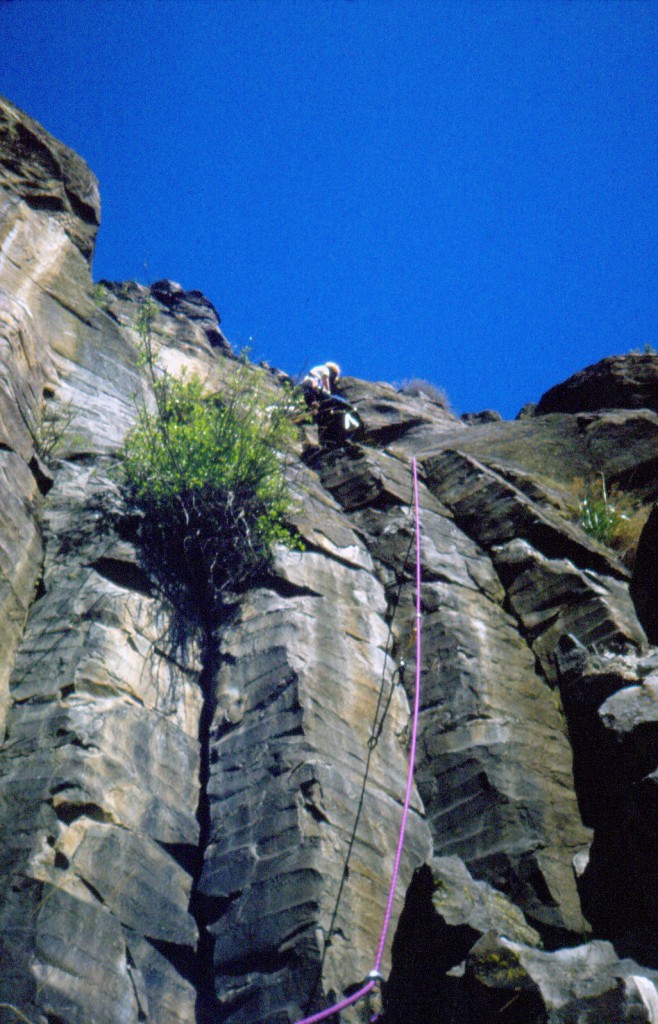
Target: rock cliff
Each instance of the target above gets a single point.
(175, 818)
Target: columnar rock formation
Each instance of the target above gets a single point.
(175, 817)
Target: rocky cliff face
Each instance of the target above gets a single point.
(174, 822)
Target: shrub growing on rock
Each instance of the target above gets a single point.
(206, 473)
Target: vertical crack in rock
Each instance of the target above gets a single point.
(205, 909)
(173, 833)
(296, 687)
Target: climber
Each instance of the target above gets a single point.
(337, 420)
(320, 381)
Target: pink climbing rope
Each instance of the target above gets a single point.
(368, 987)
(342, 1005)
(414, 733)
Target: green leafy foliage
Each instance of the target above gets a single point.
(229, 445)
(100, 294)
(611, 515)
(598, 515)
(597, 519)
(207, 473)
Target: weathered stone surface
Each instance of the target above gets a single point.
(98, 779)
(191, 307)
(551, 453)
(358, 479)
(80, 968)
(486, 416)
(48, 176)
(136, 880)
(175, 818)
(618, 382)
(296, 696)
(494, 768)
(446, 911)
(631, 708)
(623, 446)
(460, 900)
(48, 220)
(551, 598)
(319, 519)
(390, 415)
(164, 993)
(583, 594)
(610, 705)
(493, 511)
(20, 559)
(583, 983)
(99, 769)
(495, 773)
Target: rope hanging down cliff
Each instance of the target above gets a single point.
(375, 975)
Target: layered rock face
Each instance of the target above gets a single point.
(175, 818)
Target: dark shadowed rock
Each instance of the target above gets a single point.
(192, 306)
(486, 416)
(463, 953)
(446, 912)
(618, 382)
(645, 577)
(610, 703)
(459, 900)
(584, 983)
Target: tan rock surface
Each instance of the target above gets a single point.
(175, 817)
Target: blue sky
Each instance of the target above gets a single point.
(459, 191)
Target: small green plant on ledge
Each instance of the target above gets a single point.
(610, 515)
(601, 513)
(207, 474)
(598, 515)
(100, 294)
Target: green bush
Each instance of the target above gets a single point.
(207, 474)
